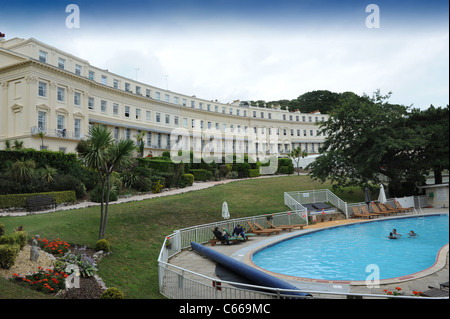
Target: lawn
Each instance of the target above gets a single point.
(136, 230)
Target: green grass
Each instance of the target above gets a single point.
(136, 230)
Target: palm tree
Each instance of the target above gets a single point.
(102, 154)
(41, 134)
(140, 142)
(21, 170)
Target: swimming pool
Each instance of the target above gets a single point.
(345, 252)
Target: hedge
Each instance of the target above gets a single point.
(15, 238)
(20, 200)
(199, 174)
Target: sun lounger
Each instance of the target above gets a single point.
(398, 205)
(214, 240)
(384, 209)
(229, 235)
(376, 210)
(400, 210)
(259, 227)
(365, 211)
(357, 213)
(259, 232)
(282, 227)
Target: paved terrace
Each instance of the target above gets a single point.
(435, 275)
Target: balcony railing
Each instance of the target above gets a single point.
(59, 133)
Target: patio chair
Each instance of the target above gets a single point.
(357, 213)
(384, 209)
(398, 205)
(229, 235)
(366, 212)
(282, 227)
(400, 210)
(259, 227)
(376, 210)
(259, 232)
(214, 240)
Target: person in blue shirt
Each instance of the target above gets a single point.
(238, 230)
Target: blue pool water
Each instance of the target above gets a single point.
(343, 253)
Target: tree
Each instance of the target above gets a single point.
(432, 126)
(102, 153)
(367, 138)
(321, 100)
(295, 154)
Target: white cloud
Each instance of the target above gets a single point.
(243, 61)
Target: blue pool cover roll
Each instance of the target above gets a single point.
(255, 275)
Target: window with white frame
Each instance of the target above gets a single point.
(61, 94)
(115, 109)
(148, 115)
(78, 69)
(77, 128)
(167, 119)
(42, 121)
(61, 125)
(138, 114)
(43, 56)
(91, 103)
(42, 89)
(77, 98)
(158, 117)
(61, 63)
(91, 75)
(127, 111)
(103, 106)
(104, 79)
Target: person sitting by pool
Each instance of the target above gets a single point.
(392, 236)
(238, 230)
(221, 235)
(394, 231)
(413, 234)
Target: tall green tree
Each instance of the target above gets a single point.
(432, 125)
(322, 100)
(102, 153)
(367, 138)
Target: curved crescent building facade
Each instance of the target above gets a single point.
(44, 89)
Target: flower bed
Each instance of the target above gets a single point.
(45, 280)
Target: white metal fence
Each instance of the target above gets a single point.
(178, 283)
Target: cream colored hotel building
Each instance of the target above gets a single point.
(44, 89)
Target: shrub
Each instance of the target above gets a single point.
(285, 166)
(187, 179)
(2, 230)
(102, 244)
(8, 254)
(97, 197)
(157, 187)
(112, 293)
(68, 182)
(254, 172)
(143, 184)
(199, 174)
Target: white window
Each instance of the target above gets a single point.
(158, 117)
(77, 98)
(91, 75)
(138, 114)
(61, 63)
(42, 89)
(158, 96)
(91, 103)
(167, 119)
(148, 115)
(104, 79)
(116, 83)
(43, 56)
(167, 98)
(193, 104)
(115, 109)
(175, 120)
(147, 92)
(77, 128)
(60, 124)
(77, 69)
(138, 90)
(184, 122)
(127, 111)
(127, 87)
(61, 94)
(42, 121)
(175, 100)
(103, 106)
(184, 102)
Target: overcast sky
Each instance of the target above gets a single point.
(254, 49)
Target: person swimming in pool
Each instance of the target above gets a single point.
(392, 236)
(394, 231)
(413, 234)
